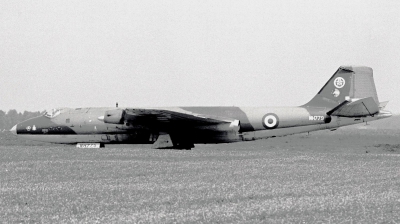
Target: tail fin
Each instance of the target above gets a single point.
(348, 82)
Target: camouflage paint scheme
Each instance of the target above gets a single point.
(349, 97)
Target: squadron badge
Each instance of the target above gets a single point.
(339, 82)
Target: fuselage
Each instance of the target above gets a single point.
(69, 126)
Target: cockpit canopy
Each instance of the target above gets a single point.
(52, 113)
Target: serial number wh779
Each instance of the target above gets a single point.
(316, 118)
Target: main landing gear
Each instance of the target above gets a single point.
(164, 141)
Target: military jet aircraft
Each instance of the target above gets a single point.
(349, 97)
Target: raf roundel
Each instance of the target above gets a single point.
(270, 121)
(339, 82)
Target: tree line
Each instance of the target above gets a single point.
(12, 117)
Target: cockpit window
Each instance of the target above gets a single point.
(52, 113)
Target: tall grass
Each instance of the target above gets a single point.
(311, 179)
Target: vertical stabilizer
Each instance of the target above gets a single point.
(348, 82)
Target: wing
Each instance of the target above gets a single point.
(163, 119)
(356, 108)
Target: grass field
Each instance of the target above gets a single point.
(345, 176)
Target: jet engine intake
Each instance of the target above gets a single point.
(114, 116)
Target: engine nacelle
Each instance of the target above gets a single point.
(113, 116)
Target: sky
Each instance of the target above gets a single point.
(190, 53)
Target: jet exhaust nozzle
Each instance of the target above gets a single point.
(384, 114)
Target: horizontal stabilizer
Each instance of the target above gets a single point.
(356, 108)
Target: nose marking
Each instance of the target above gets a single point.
(14, 129)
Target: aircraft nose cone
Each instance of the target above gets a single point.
(14, 130)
